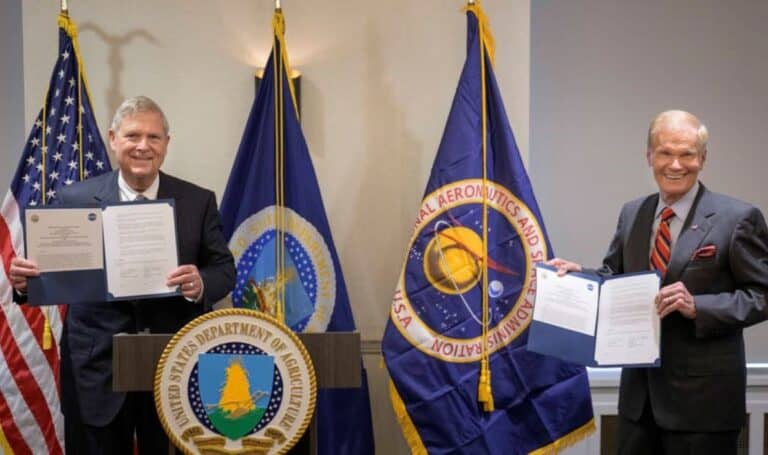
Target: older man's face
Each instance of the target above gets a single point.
(676, 161)
(140, 145)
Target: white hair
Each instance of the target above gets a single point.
(676, 118)
(134, 105)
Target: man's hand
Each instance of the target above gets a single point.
(564, 266)
(188, 278)
(675, 297)
(21, 269)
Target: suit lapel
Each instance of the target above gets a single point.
(696, 227)
(109, 191)
(169, 189)
(639, 242)
(166, 189)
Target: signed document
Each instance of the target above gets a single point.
(596, 321)
(99, 254)
(141, 248)
(64, 239)
(628, 325)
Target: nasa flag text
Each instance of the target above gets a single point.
(438, 334)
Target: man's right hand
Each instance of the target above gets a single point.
(21, 269)
(564, 266)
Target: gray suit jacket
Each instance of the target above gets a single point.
(701, 384)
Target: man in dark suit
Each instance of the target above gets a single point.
(712, 252)
(99, 421)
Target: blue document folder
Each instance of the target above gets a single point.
(573, 345)
(81, 286)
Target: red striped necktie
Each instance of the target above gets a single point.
(662, 245)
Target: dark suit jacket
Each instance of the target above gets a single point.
(87, 336)
(701, 384)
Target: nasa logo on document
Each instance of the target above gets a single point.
(307, 278)
(235, 381)
(438, 301)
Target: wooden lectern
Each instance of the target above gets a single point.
(335, 356)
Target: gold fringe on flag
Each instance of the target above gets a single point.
(568, 440)
(410, 434)
(4, 446)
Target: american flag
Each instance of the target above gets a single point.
(64, 146)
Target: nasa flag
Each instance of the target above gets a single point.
(455, 343)
(273, 185)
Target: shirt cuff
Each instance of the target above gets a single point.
(199, 296)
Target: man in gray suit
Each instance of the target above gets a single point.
(712, 253)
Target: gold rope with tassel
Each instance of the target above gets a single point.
(278, 23)
(277, 73)
(80, 114)
(484, 389)
(281, 67)
(47, 340)
(69, 27)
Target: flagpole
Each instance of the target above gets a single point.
(279, 166)
(47, 341)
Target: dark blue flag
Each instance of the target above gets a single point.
(315, 294)
(465, 295)
(64, 147)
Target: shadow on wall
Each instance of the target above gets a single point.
(115, 44)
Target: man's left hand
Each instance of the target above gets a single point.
(675, 297)
(188, 278)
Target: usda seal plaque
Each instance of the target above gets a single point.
(235, 381)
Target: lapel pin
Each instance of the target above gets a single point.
(694, 227)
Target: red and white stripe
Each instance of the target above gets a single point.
(30, 413)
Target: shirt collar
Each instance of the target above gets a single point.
(682, 206)
(128, 194)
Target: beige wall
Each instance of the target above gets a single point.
(378, 80)
(12, 134)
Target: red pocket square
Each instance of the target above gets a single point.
(705, 252)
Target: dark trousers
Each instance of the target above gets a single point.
(645, 437)
(138, 415)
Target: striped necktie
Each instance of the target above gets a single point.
(662, 245)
